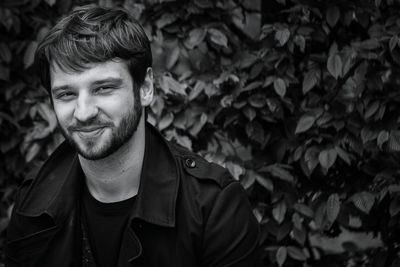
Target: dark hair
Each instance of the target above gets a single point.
(92, 34)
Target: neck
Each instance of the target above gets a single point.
(117, 177)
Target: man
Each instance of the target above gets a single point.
(116, 193)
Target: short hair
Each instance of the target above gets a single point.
(93, 34)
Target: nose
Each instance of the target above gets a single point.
(85, 108)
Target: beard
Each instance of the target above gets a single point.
(96, 148)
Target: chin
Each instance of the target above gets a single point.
(92, 154)
(92, 150)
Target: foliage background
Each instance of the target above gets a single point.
(298, 99)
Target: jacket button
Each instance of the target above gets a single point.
(190, 163)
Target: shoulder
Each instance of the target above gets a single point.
(38, 178)
(229, 229)
(196, 167)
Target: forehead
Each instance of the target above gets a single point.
(116, 69)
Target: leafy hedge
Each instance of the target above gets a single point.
(298, 99)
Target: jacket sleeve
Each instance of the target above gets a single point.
(231, 232)
(14, 229)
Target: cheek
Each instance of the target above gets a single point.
(117, 107)
(63, 113)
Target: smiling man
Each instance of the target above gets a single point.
(116, 193)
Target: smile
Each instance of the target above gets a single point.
(90, 132)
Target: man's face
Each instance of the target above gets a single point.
(97, 109)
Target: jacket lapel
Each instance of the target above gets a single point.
(55, 190)
(159, 182)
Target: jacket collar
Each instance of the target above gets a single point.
(58, 185)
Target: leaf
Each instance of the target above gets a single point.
(197, 126)
(282, 35)
(218, 37)
(251, 86)
(319, 216)
(166, 19)
(296, 253)
(305, 123)
(256, 70)
(33, 150)
(280, 87)
(197, 89)
(369, 44)
(363, 201)
(235, 169)
(368, 135)
(172, 58)
(196, 36)
(311, 158)
(301, 42)
(393, 42)
(51, 2)
(394, 207)
(334, 65)
(248, 179)
(355, 221)
(343, 155)
(372, 108)
(383, 137)
(257, 100)
(255, 131)
(5, 53)
(332, 207)
(300, 235)
(165, 121)
(184, 141)
(203, 3)
(226, 101)
(327, 158)
(250, 113)
(279, 172)
(394, 141)
(310, 80)
(281, 255)
(30, 54)
(303, 209)
(169, 84)
(333, 15)
(279, 211)
(283, 231)
(135, 9)
(265, 182)
(297, 220)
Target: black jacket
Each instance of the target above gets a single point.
(188, 212)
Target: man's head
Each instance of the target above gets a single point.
(96, 65)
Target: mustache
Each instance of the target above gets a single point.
(93, 124)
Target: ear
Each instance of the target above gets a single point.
(147, 89)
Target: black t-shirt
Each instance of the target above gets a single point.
(105, 223)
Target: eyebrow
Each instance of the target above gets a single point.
(116, 81)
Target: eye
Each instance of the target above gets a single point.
(103, 89)
(65, 96)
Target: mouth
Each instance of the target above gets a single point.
(89, 132)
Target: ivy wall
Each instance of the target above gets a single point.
(298, 99)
